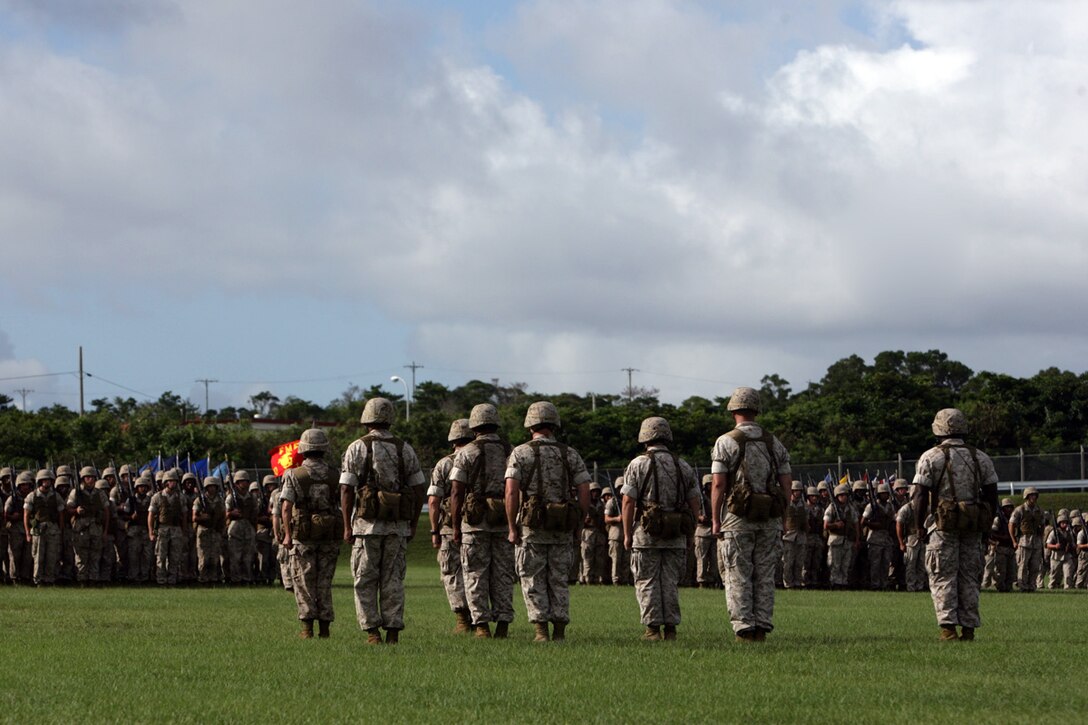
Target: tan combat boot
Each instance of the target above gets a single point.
(746, 635)
(670, 633)
(559, 631)
(464, 624)
(760, 635)
(392, 636)
(948, 634)
(541, 631)
(483, 631)
(307, 631)
(374, 636)
(323, 628)
(651, 634)
(501, 629)
(967, 634)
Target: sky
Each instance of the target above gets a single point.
(297, 197)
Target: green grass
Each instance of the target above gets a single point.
(222, 655)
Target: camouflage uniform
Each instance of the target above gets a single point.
(840, 543)
(88, 527)
(550, 471)
(167, 511)
(880, 520)
(749, 550)
(487, 556)
(794, 539)
(914, 561)
(119, 505)
(594, 549)
(20, 558)
(659, 477)
(1026, 523)
(266, 559)
(954, 473)
(107, 563)
(377, 557)
(44, 510)
(706, 544)
(141, 552)
(210, 522)
(815, 554)
(620, 557)
(1063, 562)
(1001, 558)
(283, 556)
(311, 489)
(1081, 532)
(449, 553)
(241, 530)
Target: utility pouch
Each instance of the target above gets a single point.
(687, 523)
(303, 530)
(326, 527)
(475, 509)
(495, 513)
(947, 515)
(759, 507)
(532, 513)
(739, 501)
(671, 525)
(778, 501)
(368, 508)
(968, 517)
(652, 520)
(389, 506)
(556, 517)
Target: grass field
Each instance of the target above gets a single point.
(195, 655)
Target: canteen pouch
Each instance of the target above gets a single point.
(973, 517)
(739, 500)
(687, 523)
(778, 501)
(759, 507)
(947, 515)
(368, 507)
(407, 505)
(495, 512)
(325, 527)
(475, 509)
(556, 517)
(532, 513)
(652, 521)
(671, 525)
(389, 506)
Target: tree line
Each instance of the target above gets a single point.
(858, 410)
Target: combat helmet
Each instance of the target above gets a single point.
(542, 413)
(859, 486)
(254, 486)
(44, 475)
(378, 411)
(1006, 502)
(171, 475)
(212, 481)
(24, 479)
(109, 471)
(841, 489)
(269, 480)
(482, 415)
(822, 486)
(901, 483)
(313, 439)
(102, 484)
(6, 472)
(884, 488)
(188, 476)
(797, 486)
(64, 470)
(594, 486)
(241, 475)
(87, 471)
(811, 491)
(950, 422)
(744, 398)
(1030, 490)
(1062, 516)
(654, 428)
(459, 431)
(708, 479)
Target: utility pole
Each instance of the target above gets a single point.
(24, 392)
(80, 381)
(630, 390)
(413, 368)
(206, 381)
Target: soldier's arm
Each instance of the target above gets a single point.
(899, 535)
(513, 501)
(719, 490)
(347, 507)
(920, 504)
(286, 507)
(583, 498)
(26, 523)
(627, 509)
(457, 496)
(1012, 534)
(433, 510)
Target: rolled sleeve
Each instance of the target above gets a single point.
(347, 478)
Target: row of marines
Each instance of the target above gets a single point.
(113, 528)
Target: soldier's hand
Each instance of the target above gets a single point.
(288, 543)
(80, 510)
(701, 520)
(514, 537)
(28, 539)
(348, 537)
(436, 541)
(627, 542)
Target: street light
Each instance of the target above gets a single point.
(407, 397)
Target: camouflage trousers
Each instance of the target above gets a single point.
(209, 548)
(657, 584)
(169, 550)
(575, 567)
(747, 559)
(20, 558)
(544, 569)
(283, 560)
(954, 565)
(880, 563)
(140, 554)
(1082, 570)
(45, 547)
(1003, 573)
(814, 561)
(66, 567)
(706, 561)
(266, 562)
(594, 557)
(621, 562)
(120, 553)
(189, 560)
(1063, 570)
(793, 560)
(449, 567)
(241, 551)
(1029, 563)
(377, 565)
(87, 544)
(312, 567)
(107, 561)
(487, 564)
(914, 565)
(839, 556)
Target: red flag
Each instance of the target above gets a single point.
(285, 456)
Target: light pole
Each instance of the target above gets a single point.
(407, 396)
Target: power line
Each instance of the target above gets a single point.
(630, 390)
(24, 392)
(118, 385)
(39, 375)
(206, 381)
